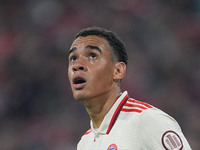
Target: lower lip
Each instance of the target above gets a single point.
(79, 86)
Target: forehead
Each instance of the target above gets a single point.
(91, 40)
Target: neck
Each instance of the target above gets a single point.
(99, 106)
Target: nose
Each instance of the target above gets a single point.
(78, 67)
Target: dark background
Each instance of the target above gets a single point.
(37, 109)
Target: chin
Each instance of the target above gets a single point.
(79, 95)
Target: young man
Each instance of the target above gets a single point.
(97, 64)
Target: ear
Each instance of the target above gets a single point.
(119, 70)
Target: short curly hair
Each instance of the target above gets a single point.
(117, 46)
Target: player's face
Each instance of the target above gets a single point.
(90, 68)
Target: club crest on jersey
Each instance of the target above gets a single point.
(172, 141)
(112, 147)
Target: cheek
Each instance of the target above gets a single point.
(69, 75)
(103, 74)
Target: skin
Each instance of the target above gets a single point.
(90, 58)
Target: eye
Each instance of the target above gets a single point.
(73, 58)
(93, 56)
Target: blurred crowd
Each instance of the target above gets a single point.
(37, 109)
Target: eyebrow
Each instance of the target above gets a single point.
(72, 50)
(93, 47)
(87, 47)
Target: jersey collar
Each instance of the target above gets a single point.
(111, 116)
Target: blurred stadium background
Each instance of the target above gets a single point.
(37, 110)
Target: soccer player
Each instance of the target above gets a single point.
(97, 64)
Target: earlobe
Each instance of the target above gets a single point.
(119, 71)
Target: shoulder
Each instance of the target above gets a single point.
(157, 130)
(156, 117)
(147, 113)
(136, 106)
(84, 139)
(88, 132)
(86, 135)
(148, 120)
(133, 110)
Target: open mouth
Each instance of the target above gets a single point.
(79, 81)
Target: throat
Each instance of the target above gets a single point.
(97, 121)
(98, 111)
(97, 114)
(97, 107)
